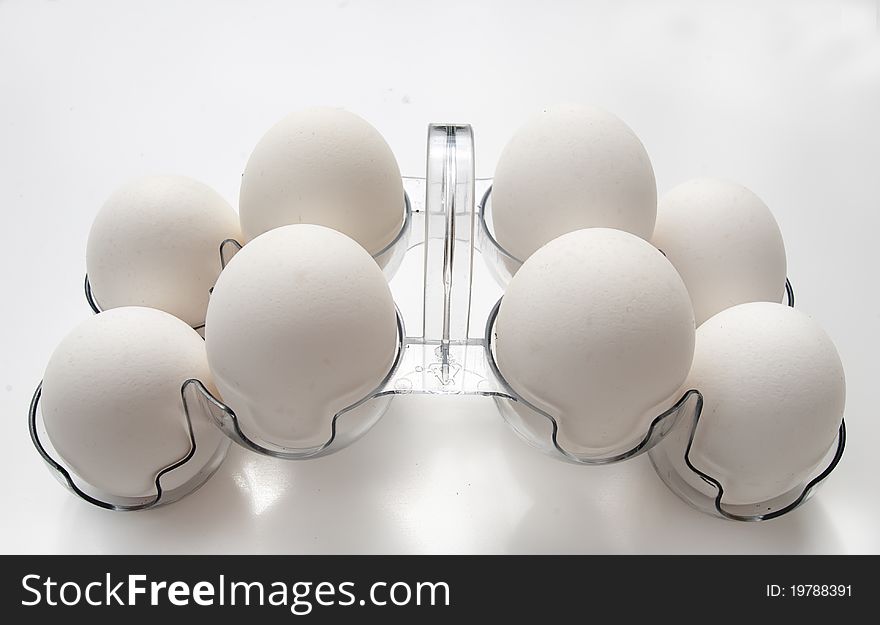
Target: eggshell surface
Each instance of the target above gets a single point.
(596, 329)
(571, 167)
(156, 243)
(774, 392)
(328, 167)
(111, 399)
(724, 242)
(301, 325)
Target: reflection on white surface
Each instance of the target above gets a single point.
(446, 516)
(263, 480)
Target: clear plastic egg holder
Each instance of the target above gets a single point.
(670, 455)
(445, 347)
(672, 462)
(172, 482)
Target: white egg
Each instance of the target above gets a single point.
(328, 167)
(568, 168)
(111, 400)
(156, 242)
(301, 325)
(596, 329)
(773, 391)
(724, 242)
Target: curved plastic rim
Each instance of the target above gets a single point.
(481, 212)
(229, 247)
(404, 227)
(490, 237)
(660, 425)
(230, 425)
(150, 502)
(772, 514)
(97, 309)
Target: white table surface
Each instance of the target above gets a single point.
(782, 97)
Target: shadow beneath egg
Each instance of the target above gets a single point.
(258, 504)
(452, 478)
(626, 509)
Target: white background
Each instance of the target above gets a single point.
(783, 97)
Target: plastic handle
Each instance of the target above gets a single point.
(449, 227)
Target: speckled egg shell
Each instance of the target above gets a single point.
(301, 325)
(774, 392)
(596, 329)
(328, 167)
(724, 242)
(571, 167)
(111, 399)
(156, 242)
